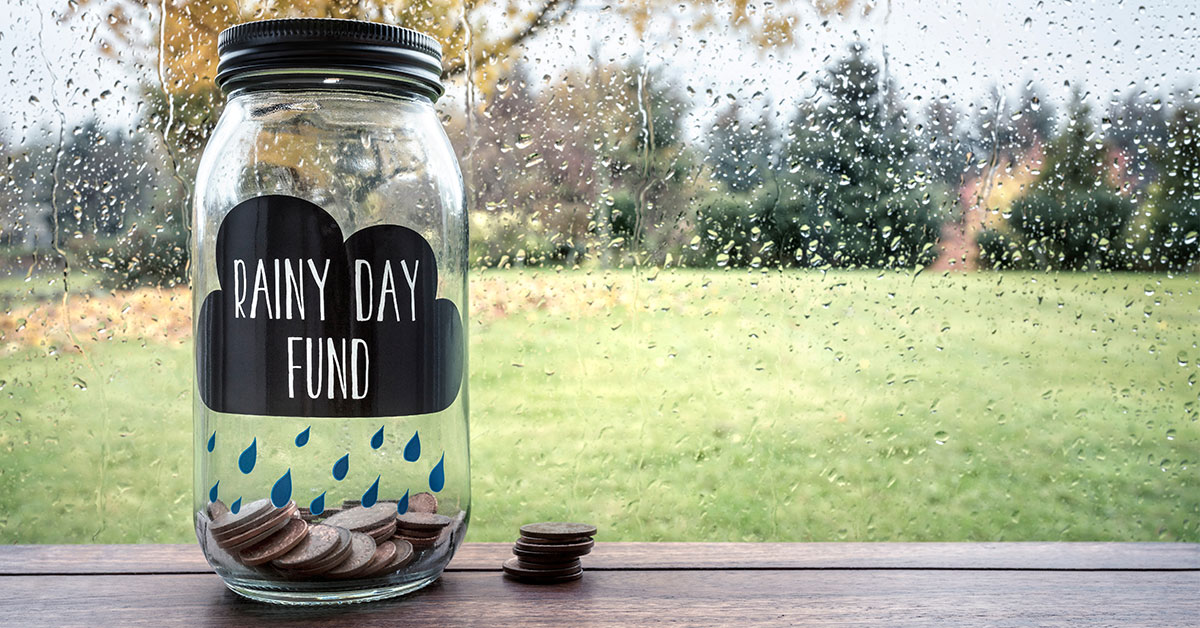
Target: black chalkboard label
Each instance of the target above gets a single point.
(306, 324)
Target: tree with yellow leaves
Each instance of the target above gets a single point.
(477, 36)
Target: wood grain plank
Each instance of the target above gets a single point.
(613, 598)
(103, 559)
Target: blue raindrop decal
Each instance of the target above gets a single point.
(302, 437)
(412, 450)
(437, 477)
(318, 505)
(249, 457)
(281, 493)
(212, 442)
(402, 505)
(212, 492)
(377, 439)
(372, 495)
(341, 467)
(236, 506)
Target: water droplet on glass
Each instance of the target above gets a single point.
(302, 437)
(372, 494)
(281, 493)
(412, 451)
(248, 457)
(212, 492)
(318, 505)
(377, 439)
(236, 506)
(341, 467)
(940, 437)
(212, 441)
(437, 477)
(402, 505)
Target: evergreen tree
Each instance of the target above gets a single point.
(1072, 218)
(854, 194)
(1176, 219)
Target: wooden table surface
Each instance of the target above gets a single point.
(629, 584)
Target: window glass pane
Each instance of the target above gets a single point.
(840, 270)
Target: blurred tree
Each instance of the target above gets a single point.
(738, 149)
(566, 169)
(1073, 216)
(854, 194)
(1174, 241)
(479, 35)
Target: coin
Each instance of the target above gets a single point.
(556, 569)
(562, 549)
(555, 530)
(362, 549)
(543, 557)
(542, 576)
(419, 521)
(322, 541)
(416, 541)
(528, 540)
(249, 514)
(361, 519)
(276, 545)
(340, 553)
(423, 502)
(217, 511)
(261, 531)
(419, 534)
(383, 532)
(404, 556)
(384, 553)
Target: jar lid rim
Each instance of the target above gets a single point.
(299, 43)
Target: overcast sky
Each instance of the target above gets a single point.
(964, 50)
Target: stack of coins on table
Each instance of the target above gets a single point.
(549, 553)
(351, 542)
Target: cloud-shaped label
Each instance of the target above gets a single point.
(308, 325)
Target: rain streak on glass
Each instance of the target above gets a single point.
(735, 266)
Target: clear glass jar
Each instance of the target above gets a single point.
(329, 287)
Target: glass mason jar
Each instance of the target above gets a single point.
(329, 287)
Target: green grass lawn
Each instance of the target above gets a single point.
(718, 406)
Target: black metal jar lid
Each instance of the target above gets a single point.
(364, 53)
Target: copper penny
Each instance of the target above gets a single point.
(249, 514)
(422, 521)
(514, 568)
(551, 568)
(422, 502)
(217, 511)
(528, 540)
(404, 556)
(260, 531)
(340, 553)
(384, 553)
(362, 519)
(322, 540)
(419, 534)
(537, 557)
(556, 530)
(277, 545)
(362, 550)
(383, 532)
(560, 549)
(417, 542)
